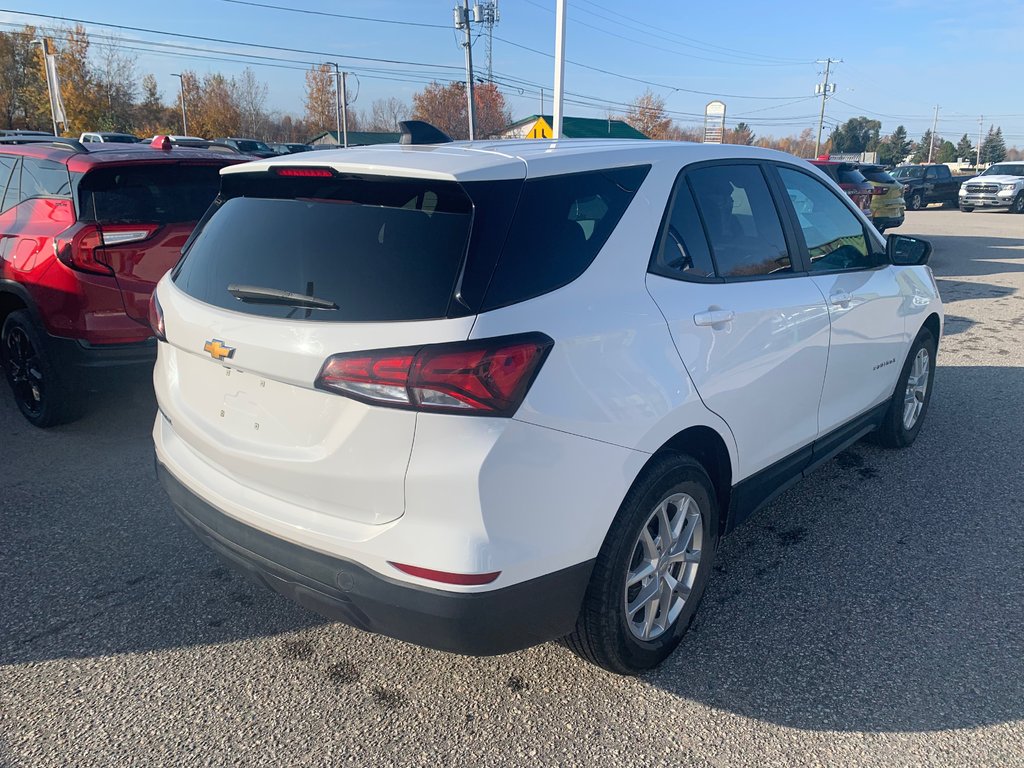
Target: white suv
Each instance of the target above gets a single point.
(480, 396)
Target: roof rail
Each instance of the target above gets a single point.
(72, 145)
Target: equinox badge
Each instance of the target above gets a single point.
(218, 351)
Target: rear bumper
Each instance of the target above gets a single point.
(888, 222)
(86, 358)
(475, 623)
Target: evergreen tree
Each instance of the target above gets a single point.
(921, 153)
(946, 153)
(965, 149)
(993, 150)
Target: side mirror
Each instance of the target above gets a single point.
(906, 251)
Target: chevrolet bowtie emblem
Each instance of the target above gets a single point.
(218, 350)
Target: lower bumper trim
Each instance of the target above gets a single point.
(478, 624)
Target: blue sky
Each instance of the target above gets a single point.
(900, 57)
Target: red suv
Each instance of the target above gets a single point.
(85, 234)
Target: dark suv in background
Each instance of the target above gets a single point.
(85, 234)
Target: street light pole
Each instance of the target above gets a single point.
(181, 90)
(935, 125)
(49, 88)
(556, 107)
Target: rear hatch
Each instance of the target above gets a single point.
(144, 213)
(369, 263)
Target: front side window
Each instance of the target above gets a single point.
(834, 235)
(741, 221)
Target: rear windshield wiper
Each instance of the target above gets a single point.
(259, 295)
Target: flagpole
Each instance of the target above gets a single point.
(49, 89)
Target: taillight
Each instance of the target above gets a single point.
(81, 246)
(156, 318)
(484, 378)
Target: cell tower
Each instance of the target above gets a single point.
(488, 15)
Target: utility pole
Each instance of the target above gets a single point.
(344, 109)
(541, 101)
(825, 89)
(487, 13)
(559, 68)
(337, 102)
(935, 123)
(49, 91)
(181, 90)
(462, 22)
(981, 128)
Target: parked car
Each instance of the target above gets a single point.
(85, 233)
(926, 184)
(850, 180)
(289, 149)
(251, 147)
(102, 138)
(999, 186)
(887, 204)
(15, 132)
(537, 385)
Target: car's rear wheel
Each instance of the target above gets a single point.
(44, 396)
(652, 569)
(909, 403)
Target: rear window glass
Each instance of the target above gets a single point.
(148, 193)
(378, 249)
(878, 176)
(850, 176)
(560, 225)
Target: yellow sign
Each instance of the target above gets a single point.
(217, 349)
(540, 130)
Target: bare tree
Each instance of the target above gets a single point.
(252, 96)
(387, 113)
(647, 114)
(114, 76)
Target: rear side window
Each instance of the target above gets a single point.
(377, 248)
(741, 220)
(148, 193)
(44, 178)
(560, 225)
(683, 249)
(7, 164)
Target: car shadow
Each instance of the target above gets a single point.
(886, 592)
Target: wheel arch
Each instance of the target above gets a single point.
(14, 297)
(933, 324)
(709, 448)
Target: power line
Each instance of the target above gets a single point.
(182, 35)
(639, 79)
(335, 15)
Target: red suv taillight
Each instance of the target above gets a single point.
(80, 247)
(156, 318)
(484, 378)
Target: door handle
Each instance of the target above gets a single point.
(841, 298)
(714, 317)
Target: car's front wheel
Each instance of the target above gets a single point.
(916, 202)
(650, 574)
(1018, 204)
(966, 208)
(43, 394)
(909, 402)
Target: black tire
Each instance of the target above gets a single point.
(894, 432)
(603, 635)
(916, 202)
(45, 396)
(966, 208)
(1018, 203)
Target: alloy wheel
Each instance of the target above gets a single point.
(917, 388)
(663, 566)
(24, 370)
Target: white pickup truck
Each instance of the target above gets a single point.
(1000, 186)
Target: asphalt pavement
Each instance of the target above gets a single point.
(873, 615)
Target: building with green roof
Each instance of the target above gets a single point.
(539, 127)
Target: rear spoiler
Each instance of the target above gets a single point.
(422, 132)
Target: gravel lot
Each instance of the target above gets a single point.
(873, 615)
